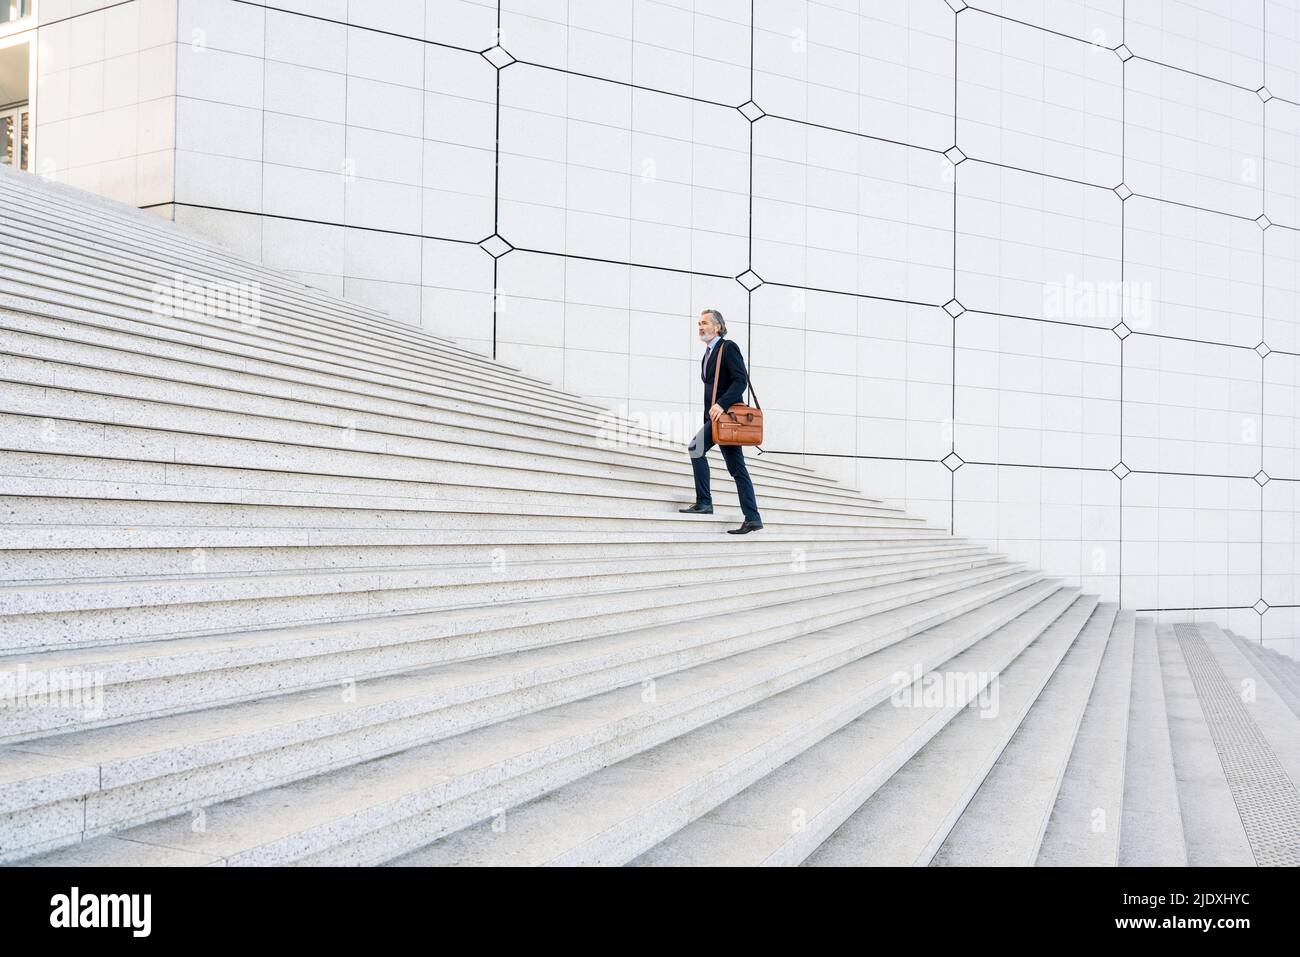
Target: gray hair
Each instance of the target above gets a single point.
(717, 319)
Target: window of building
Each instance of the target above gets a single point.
(15, 136)
(14, 9)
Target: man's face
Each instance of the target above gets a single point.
(708, 328)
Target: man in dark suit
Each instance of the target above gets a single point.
(732, 381)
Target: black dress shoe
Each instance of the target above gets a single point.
(698, 509)
(745, 528)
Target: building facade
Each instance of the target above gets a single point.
(1026, 266)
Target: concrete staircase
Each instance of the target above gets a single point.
(1280, 671)
(320, 588)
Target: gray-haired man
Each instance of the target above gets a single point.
(732, 381)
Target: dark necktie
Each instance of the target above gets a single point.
(708, 351)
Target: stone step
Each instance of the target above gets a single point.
(620, 812)
(347, 389)
(195, 491)
(1278, 725)
(19, 303)
(1283, 683)
(1285, 661)
(461, 357)
(69, 239)
(89, 627)
(905, 821)
(78, 423)
(787, 815)
(1004, 823)
(1257, 737)
(1212, 830)
(114, 311)
(466, 583)
(67, 228)
(199, 506)
(66, 254)
(606, 435)
(55, 363)
(70, 251)
(380, 809)
(70, 421)
(173, 674)
(58, 269)
(1291, 665)
(1151, 831)
(1086, 823)
(52, 295)
(54, 253)
(156, 767)
(75, 543)
(46, 565)
(98, 217)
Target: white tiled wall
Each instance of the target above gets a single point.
(1038, 101)
(1030, 267)
(105, 97)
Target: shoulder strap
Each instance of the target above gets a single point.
(717, 368)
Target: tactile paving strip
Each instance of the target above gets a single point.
(1265, 796)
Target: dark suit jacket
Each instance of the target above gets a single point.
(733, 377)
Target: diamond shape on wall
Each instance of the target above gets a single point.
(1263, 94)
(495, 246)
(1124, 53)
(1264, 221)
(953, 308)
(1262, 478)
(1263, 350)
(751, 111)
(750, 280)
(498, 57)
(1120, 470)
(1261, 606)
(955, 156)
(1123, 192)
(1121, 330)
(953, 461)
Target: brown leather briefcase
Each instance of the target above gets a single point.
(741, 424)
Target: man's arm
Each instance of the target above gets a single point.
(735, 364)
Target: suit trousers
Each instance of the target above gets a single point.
(734, 456)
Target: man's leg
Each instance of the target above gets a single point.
(700, 465)
(735, 457)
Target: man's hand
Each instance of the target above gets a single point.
(715, 410)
